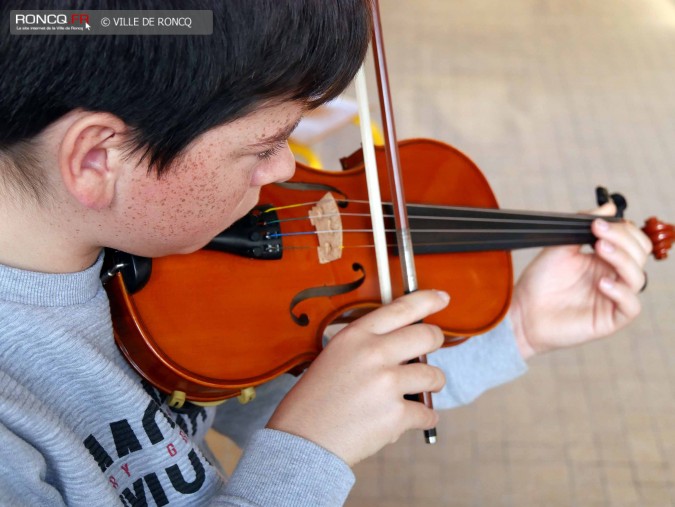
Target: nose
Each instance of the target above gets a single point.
(281, 167)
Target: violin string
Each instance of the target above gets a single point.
(434, 231)
(488, 242)
(488, 216)
(294, 219)
(297, 205)
(466, 209)
(528, 228)
(496, 211)
(561, 227)
(580, 224)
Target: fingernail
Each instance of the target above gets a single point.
(606, 283)
(607, 246)
(602, 224)
(444, 296)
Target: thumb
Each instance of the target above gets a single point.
(607, 210)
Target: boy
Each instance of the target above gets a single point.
(153, 145)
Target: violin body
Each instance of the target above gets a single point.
(210, 324)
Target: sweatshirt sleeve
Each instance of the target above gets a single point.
(479, 364)
(305, 474)
(277, 469)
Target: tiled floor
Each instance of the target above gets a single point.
(550, 98)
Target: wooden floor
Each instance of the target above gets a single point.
(550, 98)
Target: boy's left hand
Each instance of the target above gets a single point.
(566, 297)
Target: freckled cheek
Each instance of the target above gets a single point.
(200, 197)
(208, 203)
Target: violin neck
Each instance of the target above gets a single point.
(443, 229)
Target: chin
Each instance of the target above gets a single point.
(203, 240)
(193, 247)
(189, 250)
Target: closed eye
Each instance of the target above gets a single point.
(267, 154)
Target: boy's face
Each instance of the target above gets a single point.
(214, 183)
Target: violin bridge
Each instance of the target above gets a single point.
(325, 217)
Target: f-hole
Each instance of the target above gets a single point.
(324, 291)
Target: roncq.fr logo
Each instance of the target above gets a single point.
(75, 18)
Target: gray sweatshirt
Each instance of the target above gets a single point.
(78, 426)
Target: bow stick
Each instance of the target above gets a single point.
(403, 236)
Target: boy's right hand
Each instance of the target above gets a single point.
(350, 401)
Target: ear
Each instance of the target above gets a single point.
(88, 171)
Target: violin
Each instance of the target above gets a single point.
(255, 303)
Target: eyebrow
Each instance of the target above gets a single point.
(280, 136)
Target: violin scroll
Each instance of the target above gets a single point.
(661, 236)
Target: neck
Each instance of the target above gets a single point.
(442, 229)
(31, 238)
